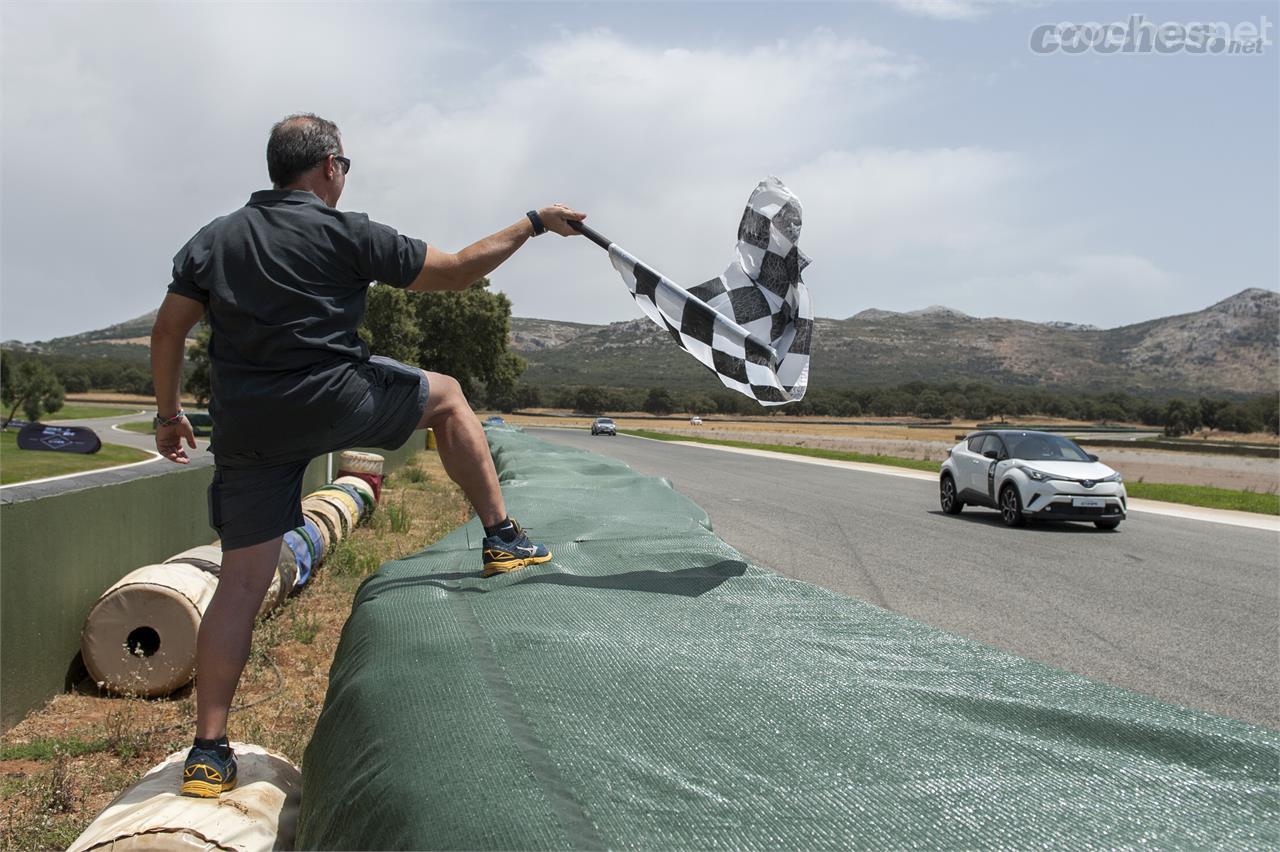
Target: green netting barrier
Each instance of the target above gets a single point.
(649, 689)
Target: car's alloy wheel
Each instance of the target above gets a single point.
(1011, 507)
(947, 497)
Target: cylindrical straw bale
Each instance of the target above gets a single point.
(298, 542)
(287, 569)
(348, 496)
(311, 531)
(319, 527)
(347, 510)
(140, 637)
(260, 813)
(361, 487)
(332, 513)
(206, 557)
(357, 462)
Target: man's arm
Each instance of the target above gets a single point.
(444, 271)
(177, 316)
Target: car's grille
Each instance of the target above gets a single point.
(1068, 509)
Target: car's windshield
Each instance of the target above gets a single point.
(1037, 446)
(604, 421)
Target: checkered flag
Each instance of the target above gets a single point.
(753, 325)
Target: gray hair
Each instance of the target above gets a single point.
(297, 143)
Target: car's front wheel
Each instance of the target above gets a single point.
(1106, 525)
(947, 497)
(1011, 507)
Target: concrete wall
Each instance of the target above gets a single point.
(58, 554)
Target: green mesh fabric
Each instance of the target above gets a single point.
(649, 689)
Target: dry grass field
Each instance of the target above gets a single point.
(63, 764)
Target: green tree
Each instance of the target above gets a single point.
(1109, 412)
(699, 403)
(930, 404)
(659, 402)
(198, 383)
(1210, 411)
(35, 389)
(74, 379)
(528, 396)
(6, 385)
(1180, 418)
(390, 324)
(590, 400)
(1238, 418)
(133, 380)
(464, 334)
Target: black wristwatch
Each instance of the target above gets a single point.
(538, 227)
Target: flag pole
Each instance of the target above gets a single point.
(591, 234)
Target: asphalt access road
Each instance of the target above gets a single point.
(1187, 611)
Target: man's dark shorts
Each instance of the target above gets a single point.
(253, 503)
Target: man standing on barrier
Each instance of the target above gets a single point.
(283, 281)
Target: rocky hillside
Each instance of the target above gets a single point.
(128, 341)
(1230, 346)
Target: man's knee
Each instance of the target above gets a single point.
(446, 396)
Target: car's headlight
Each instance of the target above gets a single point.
(1037, 475)
(1115, 477)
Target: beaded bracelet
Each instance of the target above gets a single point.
(161, 421)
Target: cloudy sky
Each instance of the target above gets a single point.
(939, 160)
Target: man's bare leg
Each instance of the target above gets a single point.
(227, 630)
(463, 449)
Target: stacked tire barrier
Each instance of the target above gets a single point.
(140, 636)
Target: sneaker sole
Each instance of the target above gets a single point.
(507, 566)
(206, 789)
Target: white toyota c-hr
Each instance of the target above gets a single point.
(1031, 476)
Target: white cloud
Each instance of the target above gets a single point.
(128, 126)
(659, 146)
(950, 10)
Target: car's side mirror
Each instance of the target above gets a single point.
(992, 454)
(1092, 457)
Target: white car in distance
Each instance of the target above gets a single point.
(1031, 476)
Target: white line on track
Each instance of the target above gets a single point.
(1154, 507)
(155, 457)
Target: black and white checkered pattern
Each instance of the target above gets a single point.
(753, 325)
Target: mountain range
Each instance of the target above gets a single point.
(1232, 346)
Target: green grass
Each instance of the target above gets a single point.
(47, 748)
(86, 412)
(1190, 495)
(838, 455)
(21, 465)
(1207, 496)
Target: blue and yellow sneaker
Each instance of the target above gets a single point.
(209, 772)
(502, 556)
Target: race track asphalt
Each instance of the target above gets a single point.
(1184, 610)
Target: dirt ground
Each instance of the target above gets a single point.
(931, 443)
(67, 761)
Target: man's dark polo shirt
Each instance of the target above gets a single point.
(284, 279)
